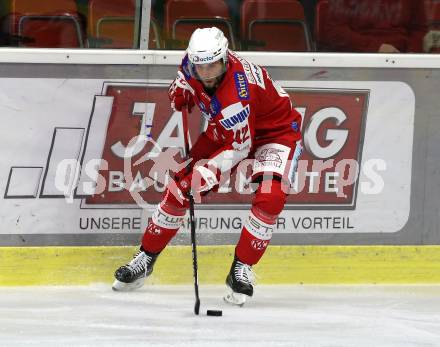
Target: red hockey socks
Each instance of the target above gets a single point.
(161, 229)
(254, 239)
(258, 228)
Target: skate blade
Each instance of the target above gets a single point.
(233, 298)
(119, 286)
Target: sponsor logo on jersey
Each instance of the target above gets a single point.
(230, 122)
(246, 67)
(247, 70)
(257, 72)
(241, 85)
(270, 157)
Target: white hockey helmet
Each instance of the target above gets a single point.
(207, 45)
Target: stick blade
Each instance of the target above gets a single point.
(197, 307)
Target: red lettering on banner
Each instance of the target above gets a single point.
(333, 130)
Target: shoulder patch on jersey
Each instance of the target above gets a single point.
(242, 85)
(257, 72)
(235, 114)
(215, 106)
(295, 126)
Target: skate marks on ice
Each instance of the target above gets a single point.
(275, 316)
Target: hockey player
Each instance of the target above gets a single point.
(249, 116)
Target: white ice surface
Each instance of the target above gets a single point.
(277, 316)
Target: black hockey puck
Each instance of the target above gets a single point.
(216, 313)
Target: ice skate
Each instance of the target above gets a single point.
(132, 275)
(240, 282)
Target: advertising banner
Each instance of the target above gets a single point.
(94, 156)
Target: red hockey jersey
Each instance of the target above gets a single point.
(248, 109)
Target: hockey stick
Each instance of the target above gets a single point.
(191, 213)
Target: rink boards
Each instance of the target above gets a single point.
(62, 123)
(280, 265)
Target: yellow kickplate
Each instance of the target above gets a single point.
(280, 265)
